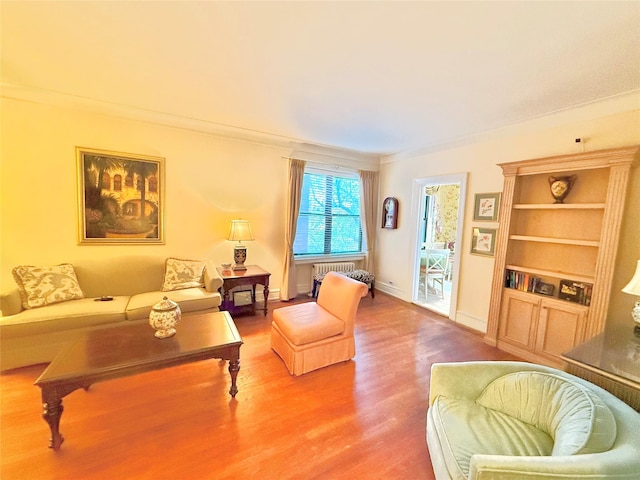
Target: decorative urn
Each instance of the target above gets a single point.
(561, 186)
(164, 316)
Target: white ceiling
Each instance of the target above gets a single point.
(375, 77)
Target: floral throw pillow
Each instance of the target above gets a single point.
(179, 274)
(40, 286)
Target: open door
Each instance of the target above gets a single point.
(439, 203)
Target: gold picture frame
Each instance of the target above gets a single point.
(120, 197)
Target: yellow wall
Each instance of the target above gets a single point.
(554, 135)
(212, 179)
(209, 181)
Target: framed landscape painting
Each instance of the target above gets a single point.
(120, 197)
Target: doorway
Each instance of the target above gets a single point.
(439, 204)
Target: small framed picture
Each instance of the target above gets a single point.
(483, 241)
(486, 207)
(390, 213)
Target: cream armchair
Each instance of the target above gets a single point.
(515, 420)
(313, 335)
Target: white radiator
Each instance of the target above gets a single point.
(331, 267)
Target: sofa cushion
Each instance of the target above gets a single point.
(577, 419)
(40, 286)
(189, 299)
(180, 274)
(306, 323)
(64, 316)
(465, 428)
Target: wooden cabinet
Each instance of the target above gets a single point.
(535, 327)
(566, 250)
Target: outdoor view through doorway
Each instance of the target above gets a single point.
(438, 243)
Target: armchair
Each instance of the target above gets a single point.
(515, 420)
(313, 335)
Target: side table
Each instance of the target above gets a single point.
(233, 280)
(611, 360)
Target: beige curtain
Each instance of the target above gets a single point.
(296, 174)
(368, 214)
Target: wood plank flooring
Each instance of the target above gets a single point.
(359, 419)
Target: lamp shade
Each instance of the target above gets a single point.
(633, 287)
(240, 230)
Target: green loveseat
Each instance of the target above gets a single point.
(515, 420)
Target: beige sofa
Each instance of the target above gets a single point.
(515, 420)
(32, 336)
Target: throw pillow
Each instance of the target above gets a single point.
(40, 286)
(180, 274)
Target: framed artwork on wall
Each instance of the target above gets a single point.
(120, 197)
(390, 213)
(486, 207)
(483, 241)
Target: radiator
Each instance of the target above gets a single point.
(331, 267)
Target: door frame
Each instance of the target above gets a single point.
(418, 207)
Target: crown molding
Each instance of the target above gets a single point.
(624, 102)
(74, 102)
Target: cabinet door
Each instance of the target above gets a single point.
(560, 328)
(518, 319)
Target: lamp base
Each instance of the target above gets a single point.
(239, 257)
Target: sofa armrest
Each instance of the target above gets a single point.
(471, 377)
(212, 280)
(621, 463)
(10, 303)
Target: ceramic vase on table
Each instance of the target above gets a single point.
(164, 316)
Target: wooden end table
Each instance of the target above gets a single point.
(233, 280)
(105, 353)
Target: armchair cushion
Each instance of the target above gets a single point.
(577, 420)
(307, 323)
(466, 428)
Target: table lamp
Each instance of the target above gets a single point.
(633, 288)
(239, 230)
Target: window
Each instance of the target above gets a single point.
(329, 219)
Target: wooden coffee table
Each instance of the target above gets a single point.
(105, 353)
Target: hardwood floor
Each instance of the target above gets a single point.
(359, 419)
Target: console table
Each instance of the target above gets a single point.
(611, 360)
(234, 280)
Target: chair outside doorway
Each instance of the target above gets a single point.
(436, 268)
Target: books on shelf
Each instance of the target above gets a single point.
(521, 281)
(578, 292)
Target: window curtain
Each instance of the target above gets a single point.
(288, 289)
(368, 214)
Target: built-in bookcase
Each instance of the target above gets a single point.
(554, 261)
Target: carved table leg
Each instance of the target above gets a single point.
(52, 411)
(234, 367)
(266, 297)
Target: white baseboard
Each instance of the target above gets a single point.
(472, 322)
